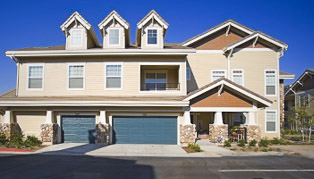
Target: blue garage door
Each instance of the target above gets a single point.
(78, 129)
(144, 130)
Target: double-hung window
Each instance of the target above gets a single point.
(271, 121)
(76, 37)
(113, 76)
(238, 77)
(114, 37)
(76, 75)
(270, 82)
(35, 77)
(216, 74)
(152, 36)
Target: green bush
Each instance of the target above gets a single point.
(195, 147)
(253, 143)
(275, 141)
(263, 143)
(227, 143)
(32, 141)
(16, 139)
(241, 143)
(3, 138)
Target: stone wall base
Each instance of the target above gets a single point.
(218, 133)
(253, 132)
(8, 128)
(48, 133)
(187, 134)
(102, 134)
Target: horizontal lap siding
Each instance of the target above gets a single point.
(29, 122)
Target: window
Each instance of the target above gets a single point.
(35, 76)
(271, 121)
(216, 74)
(113, 76)
(76, 37)
(76, 77)
(304, 100)
(152, 37)
(188, 73)
(237, 77)
(155, 81)
(114, 37)
(270, 81)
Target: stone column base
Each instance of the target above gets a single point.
(253, 132)
(218, 133)
(102, 134)
(8, 128)
(48, 133)
(187, 134)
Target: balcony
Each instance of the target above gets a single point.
(160, 78)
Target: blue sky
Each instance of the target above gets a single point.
(37, 23)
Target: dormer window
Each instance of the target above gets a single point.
(76, 37)
(152, 36)
(114, 37)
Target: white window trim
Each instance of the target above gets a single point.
(105, 80)
(152, 28)
(276, 81)
(276, 120)
(43, 75)
(188, 71)
(108, 31)
(225, 73)
(82, 35)
(68, 76)
(241, 73)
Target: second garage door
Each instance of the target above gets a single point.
(144, 130)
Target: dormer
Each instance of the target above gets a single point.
(151, 31)
(115, 31)
(79, 33)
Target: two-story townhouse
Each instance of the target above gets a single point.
(299, 94)
(149, 91)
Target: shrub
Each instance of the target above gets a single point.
(241, 143)
(227, 143)
(195, 147)
(32, 141)
(263, 143)
(264, 150)
(253, 143)
(3, 138)
(16, 139)
(275, 141)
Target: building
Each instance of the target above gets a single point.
(148, 91)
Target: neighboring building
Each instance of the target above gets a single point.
(147, 92)
(300, 94)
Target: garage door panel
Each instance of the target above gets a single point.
(145, 130)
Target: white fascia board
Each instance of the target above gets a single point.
(95, 103)
(223, 109)
(139, 26)
(215, 30)
(100, 52)
(66, 24)
(104, 23)
(286, 77)
(231, 86)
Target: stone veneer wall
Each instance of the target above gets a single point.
(8, 128)
(187, 134)
(48, 133)
(218, 131)
(253, 132)
(102, 134)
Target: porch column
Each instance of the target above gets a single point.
(8, 125)
(251, 119)
(49, 129)
(103, 117)
(187, 129)
(187, 117)
(7, 117)
(49, 117)
(218, 119)
(102, 129)
(253, 130)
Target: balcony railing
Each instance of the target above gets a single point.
(160, 86)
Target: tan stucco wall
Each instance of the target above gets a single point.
(29, 122)
(55, 75)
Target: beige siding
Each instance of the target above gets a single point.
(29, 122)
(55, 76)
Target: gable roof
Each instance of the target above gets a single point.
(156, 16)
(113, 15)
(77, 16)
(218, 27)
(257, 35)
(232, 85)
(297, 82)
